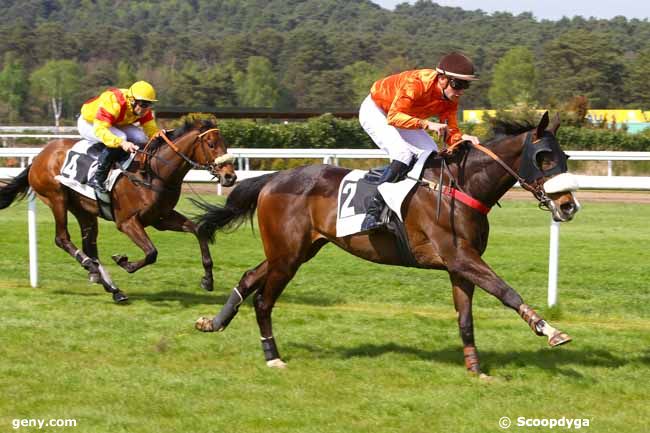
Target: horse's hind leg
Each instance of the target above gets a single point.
(250, 281)
(179, 223)
(89, 229)
(62, 240)
(463, 292)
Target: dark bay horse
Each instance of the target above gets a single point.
(297, 216)
(141, 199)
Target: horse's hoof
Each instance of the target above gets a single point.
(120, 259)
(558, 338)
(276, 363)
(120, 297)
(207, 284)
(486, 378)
(94, 277)
(204, 324)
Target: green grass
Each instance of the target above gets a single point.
(370, 348)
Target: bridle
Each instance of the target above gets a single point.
(536, 187)
(212, 167)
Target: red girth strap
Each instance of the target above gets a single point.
(466, 199)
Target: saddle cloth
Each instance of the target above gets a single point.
(80, 166)
(355, 194)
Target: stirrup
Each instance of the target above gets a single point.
(97, 186)
(370, 222)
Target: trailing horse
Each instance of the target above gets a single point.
(139, 200)
(296, 211)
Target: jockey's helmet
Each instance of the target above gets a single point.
(142, 91)
(457, 65)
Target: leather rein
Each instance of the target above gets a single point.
(457, 193)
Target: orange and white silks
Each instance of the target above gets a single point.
(111, 108)
(410, 97)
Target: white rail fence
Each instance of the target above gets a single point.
(332, 156)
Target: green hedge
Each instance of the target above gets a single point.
(573, 138)
(324, 132)
(330, 132)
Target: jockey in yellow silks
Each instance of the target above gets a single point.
(109, 119)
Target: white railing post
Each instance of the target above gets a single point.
(33, 238)
(609, 168)
(553, 260)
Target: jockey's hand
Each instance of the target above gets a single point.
(447, 151)
(471, 138)
(438, 128)
(129, 147)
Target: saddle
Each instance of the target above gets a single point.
(80, 166)
(355, 193)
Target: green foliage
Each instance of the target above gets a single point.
(125, 75)
(514, 80)
(57, 82)
(13, 88)
(575, 138)
(637, 90)
(257, 87)
(325, 131)
(323, 54)
(583, 62)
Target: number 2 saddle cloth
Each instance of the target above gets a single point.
(355, 193)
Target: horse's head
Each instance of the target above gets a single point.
(543, 167)
(203, 146)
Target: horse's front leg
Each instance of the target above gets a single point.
(135, 231)
(463, 291)
(469, 265)
(179, 223)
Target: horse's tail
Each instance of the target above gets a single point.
(15, 188)
(240, 204)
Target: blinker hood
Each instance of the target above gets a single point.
(529, 170)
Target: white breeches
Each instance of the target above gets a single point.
(132, 133)
(400, 144)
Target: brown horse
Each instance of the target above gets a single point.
(297, 216)
(144, 198)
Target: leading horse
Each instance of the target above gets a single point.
(297, 216)
(142, 199)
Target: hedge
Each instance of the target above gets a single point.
(330, 132)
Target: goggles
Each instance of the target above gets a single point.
(143, 104)
(457, 84)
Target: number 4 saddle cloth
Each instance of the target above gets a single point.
(355, 193)
(80, 166)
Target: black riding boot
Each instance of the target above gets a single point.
(395, 172)
(104, 163)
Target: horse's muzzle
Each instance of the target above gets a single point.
(564, 208)
(227, 179)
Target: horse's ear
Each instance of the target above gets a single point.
(555, 124)
(543, 123)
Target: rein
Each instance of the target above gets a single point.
(456, 193)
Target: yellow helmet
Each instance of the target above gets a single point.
(142, 91)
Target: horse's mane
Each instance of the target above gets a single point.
(503, 128)
(188, 126)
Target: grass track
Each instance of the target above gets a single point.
(369, 347)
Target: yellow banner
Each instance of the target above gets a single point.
(609, 115)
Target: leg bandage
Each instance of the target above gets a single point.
(229, 310)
